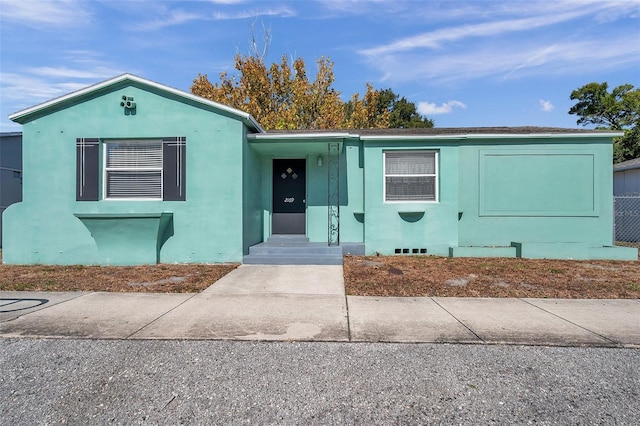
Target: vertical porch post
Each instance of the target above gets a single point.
(333, 193)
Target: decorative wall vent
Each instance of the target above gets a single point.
(128, 105)
(410, 251)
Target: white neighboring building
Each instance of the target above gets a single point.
(626, 178)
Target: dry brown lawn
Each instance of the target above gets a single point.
(163, 278)
(407, 276)
(491, 277)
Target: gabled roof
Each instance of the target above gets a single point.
(21, 116)
(627, 165)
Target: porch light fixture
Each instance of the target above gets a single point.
(319, 161)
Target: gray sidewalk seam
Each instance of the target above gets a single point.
(460, 322)
(573, 323)
(346, 304)
(161, 316)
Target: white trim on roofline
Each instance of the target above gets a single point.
(446, 136)
(124, 77)
(491, 136)
(280, 136)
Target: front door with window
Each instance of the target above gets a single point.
(289, 196)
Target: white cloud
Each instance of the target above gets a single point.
(428, 108)
(510, 42)
(457, 11)
(362, 7)
(542, 17)
(30, 89)
(508, 61)
(176, 17)
(434, 40)
(281, 12)
(546, 106)
(173, 17)
(46, 13)
(70, 73)
(32, 85)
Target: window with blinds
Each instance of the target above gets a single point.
(410, 176)
(133, 169)
(145, 169)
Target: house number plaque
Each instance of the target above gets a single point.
(289, 200)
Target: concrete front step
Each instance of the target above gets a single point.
(293, 250)
(287, 239)
(269, 248)
(292, 259)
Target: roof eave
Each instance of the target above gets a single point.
(20, 116)
(453, 136)
(297, 136)
(491, 136)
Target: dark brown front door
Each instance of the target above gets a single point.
(289, 196)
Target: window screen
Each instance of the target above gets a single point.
(410, 175)
(133, 169)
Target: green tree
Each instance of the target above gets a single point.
(615, 110)
(280, 96)
(394, 111)
(405, 115)
(366, 113)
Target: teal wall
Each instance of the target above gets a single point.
(316, 198)
(351, 195)
(351, 184)
(208, 227)
(253, 206)
(535, 192)
(266, 168)
(552, 195)
(410, 225)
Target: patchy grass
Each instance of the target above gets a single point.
(495, 277)
(366, 276)
(163, 278)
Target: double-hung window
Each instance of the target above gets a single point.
(144, 169)
(411, 176)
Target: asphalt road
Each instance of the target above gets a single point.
(225, 382)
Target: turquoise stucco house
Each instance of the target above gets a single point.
(129, 171)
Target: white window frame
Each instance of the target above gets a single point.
(106, 169)
(434, 175)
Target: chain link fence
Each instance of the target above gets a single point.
(627, 217)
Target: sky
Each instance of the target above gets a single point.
(463, 63)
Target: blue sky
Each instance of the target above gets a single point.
(463, 63)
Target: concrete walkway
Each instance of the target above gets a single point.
(264, 302)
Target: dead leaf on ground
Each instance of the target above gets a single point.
(491, 277)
